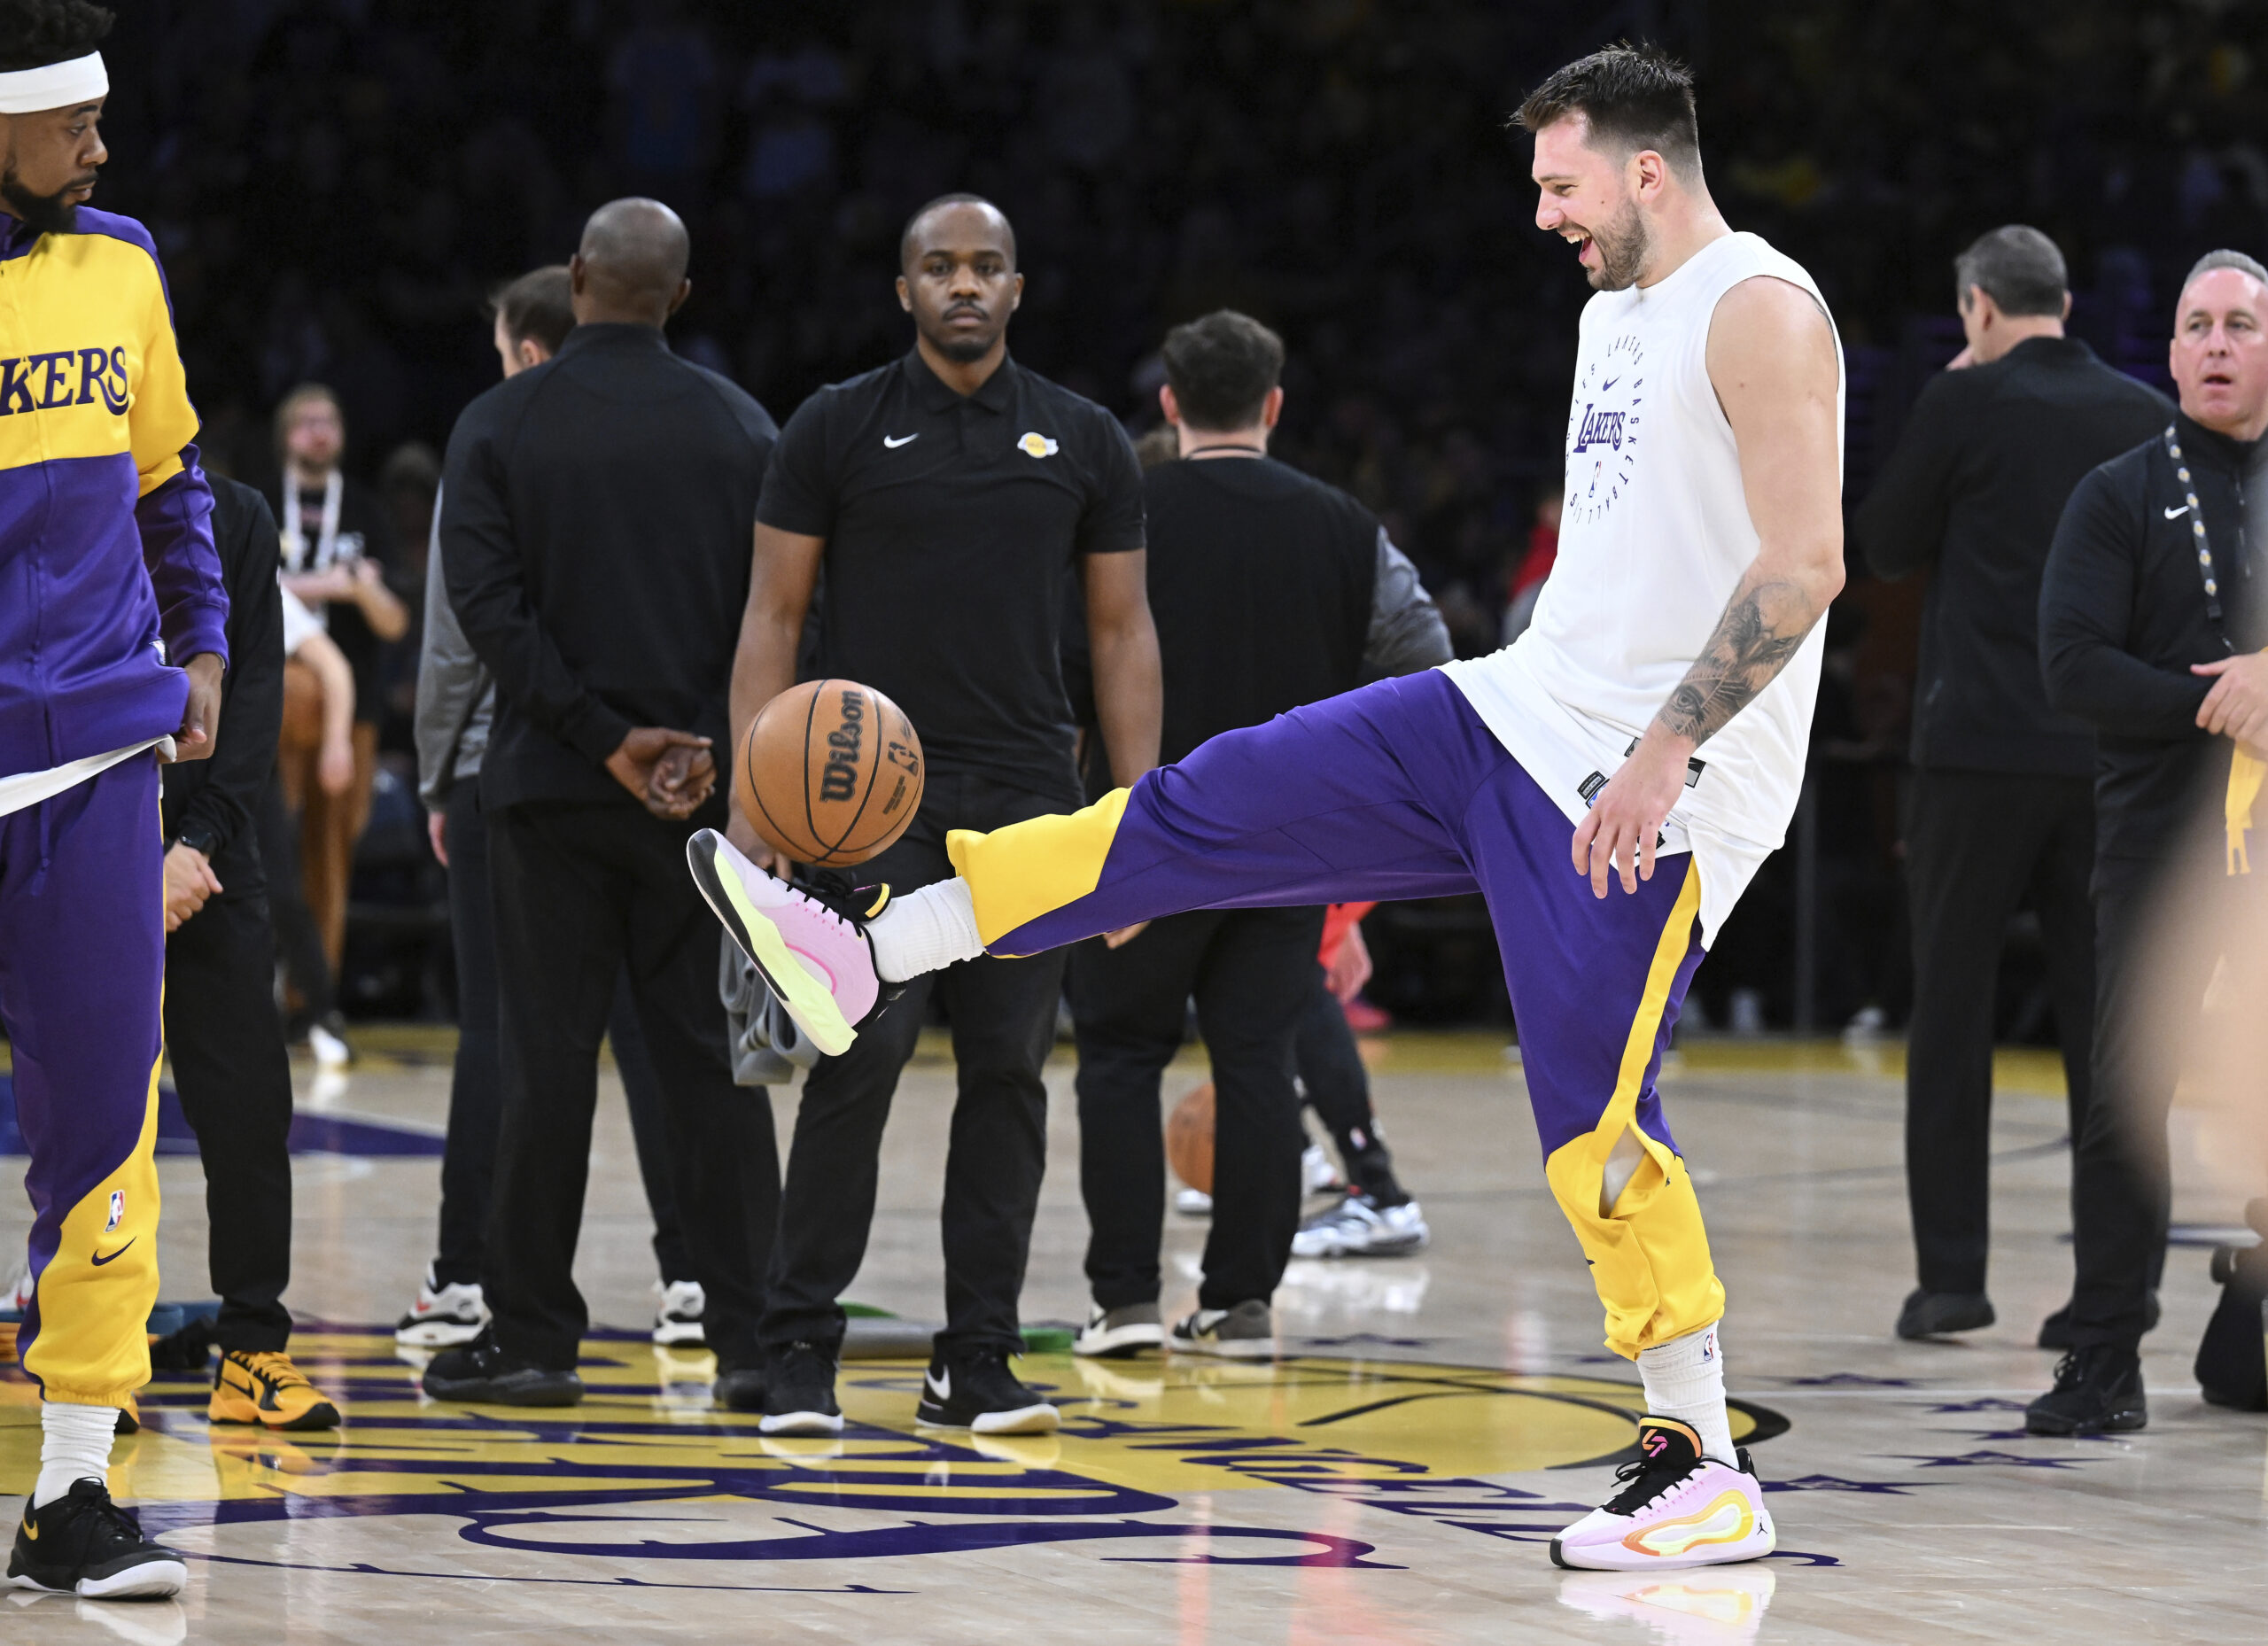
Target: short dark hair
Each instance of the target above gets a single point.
(2018, 267)
(36, 32)
(905, 235)
(1633, 98)
(540, 305)
(1221, 368)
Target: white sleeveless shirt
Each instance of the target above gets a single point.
(1654, 537)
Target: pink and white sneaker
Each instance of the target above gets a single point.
(809, 945)
(1676, 1509)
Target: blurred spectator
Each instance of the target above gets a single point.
(334, 542)
(1535, 564)
(315, 760)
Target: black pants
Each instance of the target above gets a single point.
(1251, 971)
(581, 890)
(1330, 1066)
(1003, 1016)
(227, 1047)
(298, 938)
(2122, 1182)
(476, 1085)
(1976, 844)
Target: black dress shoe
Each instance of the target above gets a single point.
(740, 1390)
(2055, 1331)
(481, 1372)
(1934, 1313)
(2098, 1391)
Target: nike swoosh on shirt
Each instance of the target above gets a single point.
(903, 439)
(2176, 514)
(1609, 383)
(100, 1259)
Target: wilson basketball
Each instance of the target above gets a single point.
(1189, 1140)
(830, 772)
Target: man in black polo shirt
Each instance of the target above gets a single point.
(594, 530)
(949, 498)
(2002, 805)
(2152, 618)
(1270, 590)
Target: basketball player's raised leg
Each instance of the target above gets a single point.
(1353, 798)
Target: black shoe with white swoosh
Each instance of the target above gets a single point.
(975, 1390)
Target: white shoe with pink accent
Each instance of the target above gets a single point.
(811, 947)
(1676, 1509)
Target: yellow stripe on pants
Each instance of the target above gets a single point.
(1017, 874)
(95, 1293)
(1650, 1259)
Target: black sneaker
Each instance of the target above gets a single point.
(82, 1543)
(799, 1390)
(2098, 1391)
(740, 1388)
(481, 1372)
(1934, 1313)
(976, 1390)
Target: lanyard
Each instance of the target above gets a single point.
(296, 557)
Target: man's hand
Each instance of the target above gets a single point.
(1625, 822)
(742, 835)
(200, 719)
(2238, 704)
(1350, 967)
(335, 766)
(682, 782)
(436, 835)
(633, 764)
(1124, 934)
(190, 884)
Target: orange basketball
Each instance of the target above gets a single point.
(830, 772)
(1189, 1140)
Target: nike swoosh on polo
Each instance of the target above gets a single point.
(2176, 514)
(903, 439)
(100, 1259)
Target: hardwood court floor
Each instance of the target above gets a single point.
(1395, 1478)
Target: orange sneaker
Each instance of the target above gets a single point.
(269, 1390)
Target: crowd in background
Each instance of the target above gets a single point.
(335, 184)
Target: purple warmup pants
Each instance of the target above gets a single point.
(1400, 790)
(82, 966)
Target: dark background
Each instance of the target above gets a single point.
(335, 184)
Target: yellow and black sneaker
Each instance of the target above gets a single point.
(269, 1390)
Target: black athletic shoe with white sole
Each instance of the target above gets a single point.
(481, 1372)
(83, 1543)
(976, 1391)
(799, 1390)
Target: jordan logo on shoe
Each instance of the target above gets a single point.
(941, 1388)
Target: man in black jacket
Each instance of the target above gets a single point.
(596, 525)
(222, 1034)
(1269, 590)
(2151, 624)
(2001, 805)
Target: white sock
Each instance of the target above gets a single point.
(1685, 1380)
(74, 1446)
(925, 931)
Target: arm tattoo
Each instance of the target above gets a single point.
(1747, 649)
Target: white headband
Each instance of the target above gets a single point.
(54, 86)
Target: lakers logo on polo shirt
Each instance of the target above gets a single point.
(1038, 445)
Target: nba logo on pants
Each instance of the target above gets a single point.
(117, 1210)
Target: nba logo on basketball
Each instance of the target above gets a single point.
(117, 1210)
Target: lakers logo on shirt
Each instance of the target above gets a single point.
(1036, 445)
(1603, 429)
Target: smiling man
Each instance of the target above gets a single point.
(112, 646)
(1609, 782)
(2151, 629)
(952, 497)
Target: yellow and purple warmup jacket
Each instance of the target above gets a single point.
(107, 571)
(107, 567)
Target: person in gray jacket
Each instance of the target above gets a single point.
(457, 704)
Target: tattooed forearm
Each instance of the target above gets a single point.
(1760, 630)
